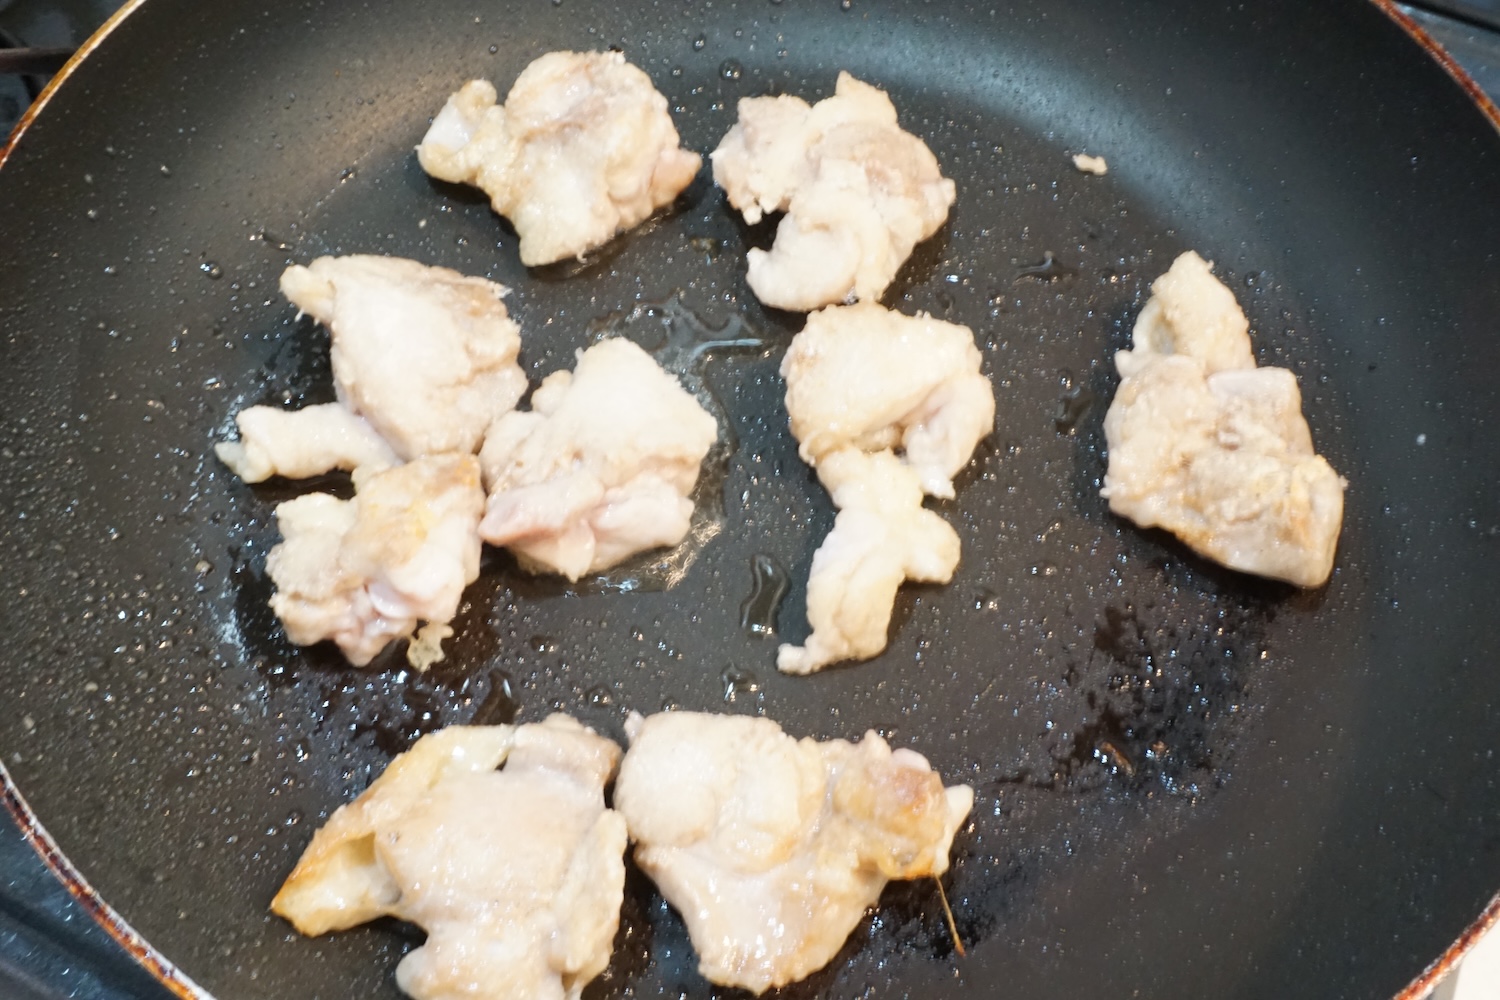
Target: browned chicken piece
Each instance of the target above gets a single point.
(773, 848)
(859, 193)
(1190, 312)
(882, 537)
(302, 443)
(516, 874)
(600, 468)
(866, 377)
(1213, 449)
(582, 148)
(426, 356)
(365, 572)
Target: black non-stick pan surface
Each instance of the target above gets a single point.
(1190, 783)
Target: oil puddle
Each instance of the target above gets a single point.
(741, 685)
(1072, 407)
(769, 585)
(1050, 269)
(393, 708)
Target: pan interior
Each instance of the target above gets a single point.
(1188, 782)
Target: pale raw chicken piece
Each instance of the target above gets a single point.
(1190, 312)
(600, 468)
(426, 356)
(863, 376)
(772, 848)
(881, 537)
(302, 443)
(859, 193)
(582, 148)
(364, 572)
(517, 875)
(1226, 463)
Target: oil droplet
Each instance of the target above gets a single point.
(1071, 408)
(730, 69)
(494, 49)
(769, 586)
(500, 706)
(214, 271)
(846, 4)
(600, 695)
(738, 682)
(1050, 269)
(699, 43)
(346, 175)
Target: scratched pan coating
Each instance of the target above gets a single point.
(1189, 783)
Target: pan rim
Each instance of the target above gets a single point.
(1431, 46)
(100, 912)
(1488, 918)
(182, 986)
(84, 51)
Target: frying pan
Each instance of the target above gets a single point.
(1190, 783)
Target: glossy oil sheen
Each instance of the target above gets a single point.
(1189, 783)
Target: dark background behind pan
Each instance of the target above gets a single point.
(1189, 783)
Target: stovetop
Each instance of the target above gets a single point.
(50, 947)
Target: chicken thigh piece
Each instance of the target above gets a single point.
(516, 875)
(424, 355)
(1225, 462)
(859, 193)
(364, 572)
(1213, 449)
(582, 149)
(1190, 312)
(600, 468)
(881, 537)
(302, 443)
(772, 848)
(866, 377)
